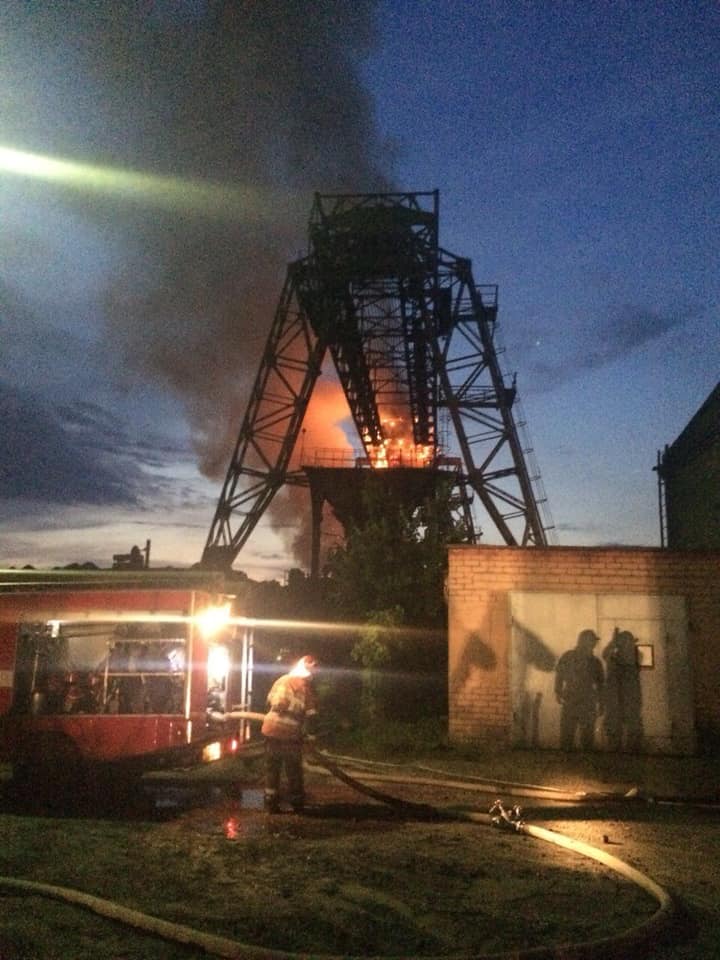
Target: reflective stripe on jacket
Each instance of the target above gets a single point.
(291, 700)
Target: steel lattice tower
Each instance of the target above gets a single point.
(411, 337)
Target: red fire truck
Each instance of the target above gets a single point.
(114, 671)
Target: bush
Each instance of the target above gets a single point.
(394, 739)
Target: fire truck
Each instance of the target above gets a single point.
(119, 673)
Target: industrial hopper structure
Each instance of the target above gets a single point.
(412, 340)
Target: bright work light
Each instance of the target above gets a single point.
(213, 619)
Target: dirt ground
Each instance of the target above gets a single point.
(357, 877)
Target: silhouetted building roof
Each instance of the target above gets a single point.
(690, 471)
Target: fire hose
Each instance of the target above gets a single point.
(617, 946)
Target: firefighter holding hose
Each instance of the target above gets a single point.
(292, 703)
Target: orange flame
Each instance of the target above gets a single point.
(398, 448)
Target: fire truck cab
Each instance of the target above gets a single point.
(119, 672)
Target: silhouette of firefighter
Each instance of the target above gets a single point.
(622, 721)
(292, 703)
(579, 680)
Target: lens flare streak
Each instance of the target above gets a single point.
(176, 192)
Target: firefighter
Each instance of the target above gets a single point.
(291, 703)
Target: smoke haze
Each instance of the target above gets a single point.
(264, 99)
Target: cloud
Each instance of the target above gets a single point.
(629, 329)
(47, 456)
(107, 434)
(622, 333)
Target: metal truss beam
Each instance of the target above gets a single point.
(479, 402)
(288, 371)
(412, 339)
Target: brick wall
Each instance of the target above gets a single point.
(479, 582)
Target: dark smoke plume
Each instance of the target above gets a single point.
(259, 97)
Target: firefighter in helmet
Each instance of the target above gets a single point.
(292, 703)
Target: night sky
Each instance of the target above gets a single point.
(575, 149)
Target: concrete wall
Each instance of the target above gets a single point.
(513, 610)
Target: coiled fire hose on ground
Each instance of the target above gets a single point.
(618, 947)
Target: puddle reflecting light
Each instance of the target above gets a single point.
(232, 828)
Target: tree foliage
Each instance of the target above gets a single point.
(373, 650)
(395, 560)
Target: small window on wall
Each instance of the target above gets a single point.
(100, 668)
(645, 654)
